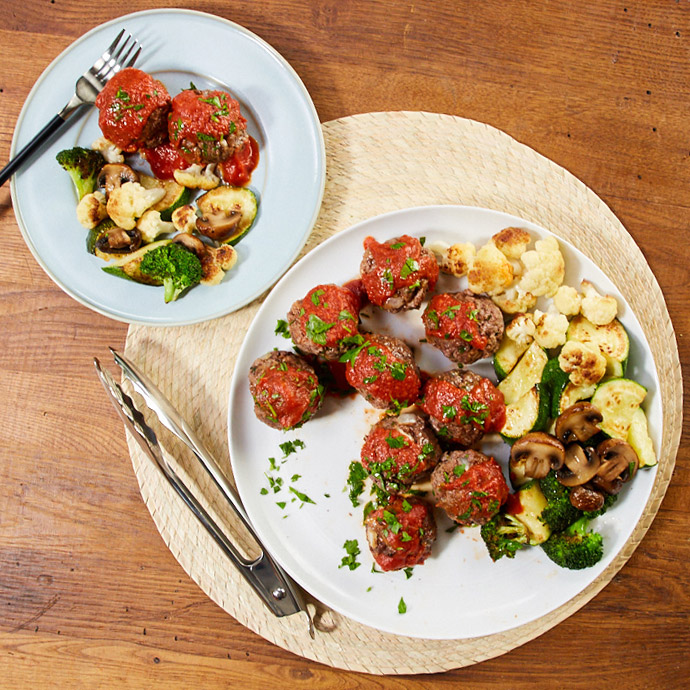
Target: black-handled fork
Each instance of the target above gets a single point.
(116, 56)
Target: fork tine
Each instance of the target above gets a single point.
(120, 50)
(134, 58)
(122, 59)
(109, 50)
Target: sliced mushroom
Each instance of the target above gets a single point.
(114, 175)
(581, 465)
(618, 460)
(219, 224)
(536, 454)
(578, 423)
(612, 486)
(194, 244)
(586, 498)
(118, 241)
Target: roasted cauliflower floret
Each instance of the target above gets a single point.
(512, 242)
(514, 301)
(215, 262)
(151, 226)
(550, 329)
(197, 177)
(491, 272)
(110, 152)
(129, 202)
(599, 309)
(521, 329)
(184, 218)
(91, 210)
(584, 364)
(455, 259)
(567, 300)
(544, 268)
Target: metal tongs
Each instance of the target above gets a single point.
(266, 577)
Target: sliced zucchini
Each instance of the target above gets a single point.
(129, 263)
(640, 440)
(507, 356)
(572, 394)
(617, 400)
(533, 503)
(95, 233)
(175, 195)
(614, 368)
(226, 200)
(529, 413)
(116, 271)
(525, 374)
(611, 339)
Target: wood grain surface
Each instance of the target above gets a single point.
(89, 594)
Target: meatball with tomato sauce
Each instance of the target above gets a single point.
(133, 110)
(401, 533)
(325, 321)
(383, 370)
(469, 486)
(285, 389)
(462, 406)
(464, 326)
(398, 273)
(206, 126)
(398, 451)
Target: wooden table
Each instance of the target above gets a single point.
(89, 594)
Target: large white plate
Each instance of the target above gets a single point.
(458, 592)
(179, 46)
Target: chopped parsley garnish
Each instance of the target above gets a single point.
(406, 505)
(422, 240)
(449, 411)
(345, 316)
(402, 606)
(397, 370)
(352, 549)
(315, 297)
(408, 573)
(281, 504)
(398, 245)
(317, 328)
(282, 328)
(466, 335)
(367, 509)
(290, 447)
(387, 279)
(459, 470)
(355, 481)
(405, 536)
(302, 497)
(409, 267)
(433, 317)
(396, 441)
(358, 344)
(392, 521)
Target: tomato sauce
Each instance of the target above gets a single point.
(475, 494)
(199, 120)
(398, 263)
(379, 372)
(483, 405)
(289, 395)
(406, 534)
(126, 103)
(164, 160)
(237, 170)
(448, 317)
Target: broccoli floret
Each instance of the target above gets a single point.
(503, 536)
(176, 267)
(575, 548)
(559, 512)
(83, 165)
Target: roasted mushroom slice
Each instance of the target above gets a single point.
(586, 498)
(578, 423)
(618, 460)
(114, 175)
(219, 224)
(194, 244)
(118, 241)
(581, 465)
(609, 486)
(535, 454)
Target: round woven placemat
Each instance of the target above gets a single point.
(381, 162)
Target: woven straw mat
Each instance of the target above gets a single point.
(376, 163)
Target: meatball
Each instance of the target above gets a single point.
(398, 273)
(133, 110)
(399, 450)
(285, 389)
(206, 126)
(464, 326)
(463, 406)
(325, 321)
(400, 534)
(469, 486)
(383, 370)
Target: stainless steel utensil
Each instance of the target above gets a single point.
(266, 577)
(88, 86)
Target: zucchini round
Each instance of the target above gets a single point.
(617, 400)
